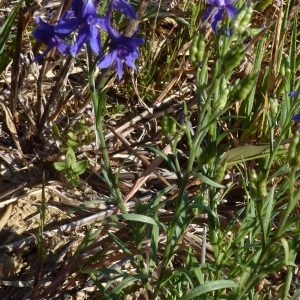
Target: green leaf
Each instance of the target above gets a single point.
(81, 166)
(207, 180)
(124, 248)
(126, 281)
(73, 144)
(60, 166)
(55, 131)
(208, 287)
(71, 159)
(6, 56)
(163, 155)
(153, 248)
(5, 30)
(136, 218)
(243, 153)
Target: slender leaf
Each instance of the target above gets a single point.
(208, 287)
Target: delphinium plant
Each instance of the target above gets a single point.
(193, 240)
(82, 18)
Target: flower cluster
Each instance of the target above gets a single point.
(83, 18)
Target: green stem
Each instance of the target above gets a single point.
(99, 109)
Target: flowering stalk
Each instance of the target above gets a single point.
(82, 17)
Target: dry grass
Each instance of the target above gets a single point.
(34, 96)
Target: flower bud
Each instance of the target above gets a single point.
(253, 184)
(285, 68)
(244, 87)
(273, 106)
(193, 46)
(242, 19)
(261, 187)
(220, 103)
(233, 57)
(221, 171)
(293, 153)
(168, 126)
(197, 48)
(246, 19)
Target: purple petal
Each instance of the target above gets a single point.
(81, 38)
(107, 60)
(62, 47)
(216, 17)
(293, 94)
(43, 54)
(296, 117)
(77, 7)
(89, 9)
(124, 7)
(129, 61)
(231, 10)
(67, 26)
(220, 3)
(95, 40)
(119, 68)
(113, 33)
(207, 13)
(101, 23)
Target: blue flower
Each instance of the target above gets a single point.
(123, 49)
(46, 33)
(293, 94)
(296, 117)
(216, 11)
(83, 16)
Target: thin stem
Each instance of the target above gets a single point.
(99, 108)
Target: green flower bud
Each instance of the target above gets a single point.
(221, 171)
(168, 126)
(293, 155)
(261, 187)
(221, 102)
(296, 159)
(197, 48)
(244, 87)
(193, 47)
(253, 184)
(233, 57)
(246, 19)
(273, 106)
(242, 19)
(285, 68)
(223, 83)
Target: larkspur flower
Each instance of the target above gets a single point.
(296, 117)
(293, 94)
(46, 33)
(216, 11)
(122, 48)
(83, 15)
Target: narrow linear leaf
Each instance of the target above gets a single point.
(5, 30)
(243, 152)
(208, 181)
(136, 218)
(126, 281)
(209, 287)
